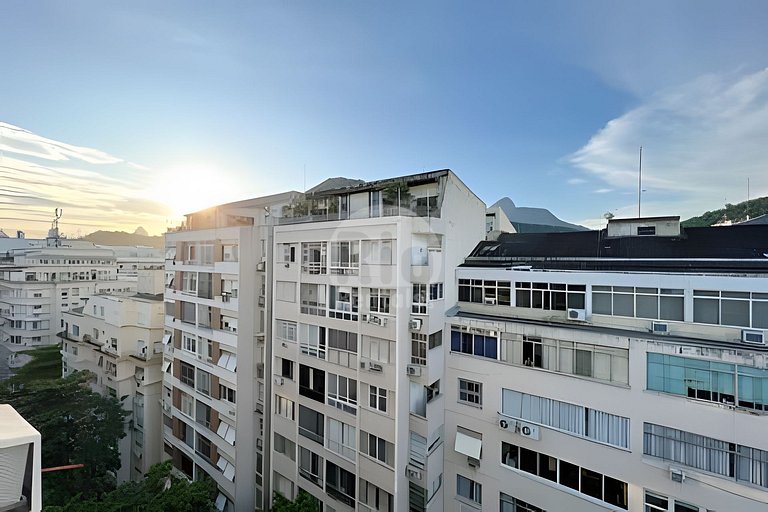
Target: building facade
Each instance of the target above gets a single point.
(119, 339)
(361, 278)
(215, 318)
(616, 370)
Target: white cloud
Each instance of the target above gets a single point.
(602, 191)
(701, 142)
(576, 181)
(95, 189)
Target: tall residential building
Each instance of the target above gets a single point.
(216, 316)
(119, 339)
(362, 276)
(41, 279)
(624, 369)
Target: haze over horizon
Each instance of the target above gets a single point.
(129, 115)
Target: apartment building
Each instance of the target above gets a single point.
(120, 340)
(362, 276)
(624, 369)
(215, 319)
(42, 278)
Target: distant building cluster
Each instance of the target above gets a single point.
(395, 345)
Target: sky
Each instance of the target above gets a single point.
(128, 114)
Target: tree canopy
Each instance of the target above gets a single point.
(304, 502)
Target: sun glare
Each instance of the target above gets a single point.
(191, 188)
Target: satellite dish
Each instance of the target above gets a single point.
(608, 215)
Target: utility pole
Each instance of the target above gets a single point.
(639, 182)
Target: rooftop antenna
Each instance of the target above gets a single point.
(747, 207)
(639, 182)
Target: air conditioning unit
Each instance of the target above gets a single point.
(415, 324)
(490, 301)
(279, 381)
(577, 315)
(473, 462)
(260, 266)
(659, 328)
(676, 475)
(375, 367)
(412, 473)
(374, 320)
(753, 336)
(413, 370)
(520, 427)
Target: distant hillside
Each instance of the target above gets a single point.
(533, 220)
(732, 212)
(123, 238)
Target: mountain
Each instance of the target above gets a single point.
(533, 220)
(123, 238)
(732, 212)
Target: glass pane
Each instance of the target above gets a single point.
(706, 311)
(735, 312)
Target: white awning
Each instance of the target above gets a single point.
(167, 339)
(166, 365)
(221, 502)
(469, 446)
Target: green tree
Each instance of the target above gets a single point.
(159, 491)
(304, 502)
(77, 426)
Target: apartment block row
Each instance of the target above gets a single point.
(365, 343)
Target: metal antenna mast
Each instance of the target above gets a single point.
(639, 182)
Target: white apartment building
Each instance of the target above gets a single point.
(216, 316)
(120, 340)
(362, 276)
(41, 279)
(624, 369)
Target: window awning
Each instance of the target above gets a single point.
(167, 339)
(166, 365)
(469, 446)
(221, 502)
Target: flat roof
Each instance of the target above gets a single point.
(15, 429)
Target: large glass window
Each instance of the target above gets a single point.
(345, 258)
(740, 309)
(342, 393)
(478, 342)
(511, 504)
(469, 489)
(652, 303)
(311, 424)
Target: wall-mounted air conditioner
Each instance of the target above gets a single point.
(279, 380)
(577, 315)
(752, 336)
(260, 266)
(520, 427)
(412, 473)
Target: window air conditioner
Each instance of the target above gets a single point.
(659, 328)
(260, 266)
(413, 370)
(753, 336)
(415, 324)
(676, 475)
(375, 367)
(412, 473)
(579, 315)
(279, 380)
(473, 462)
(490, 301)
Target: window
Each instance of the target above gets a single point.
(189, 343)
(311, 424)
(581, 421)
(653, 303)
(740, 309)
(375, 498)
(187, 405)
(594, 361)
(342, 393)
(188, 311)
(417, 498)
(342, 340)
(379, 300)
(479, 342)
(312, 383)
(549, 296)
(285, 291)
(75, 330)
(286, 368)
(345, 258)
(343, 302)
(312, 340)
(285, 446)
(435, 291)
(377, 447)
(485, 292)
(286, 330)
(377, 349)
(695, 378)
(418, 349)
(203, 382)
(203, 414)
(469, 489)
(340, 483)
(285, 407)
(313, 258)
(511, 504)
(311, 466)
(377, 398)
(583, 480)
(342, 438)
(705, 453)
(646, 230)
(227, 394)
(187, 374)
(419, 305)
(435, 340)
(657, 503)
(377, 252)
(374, 202)
(470, 392)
